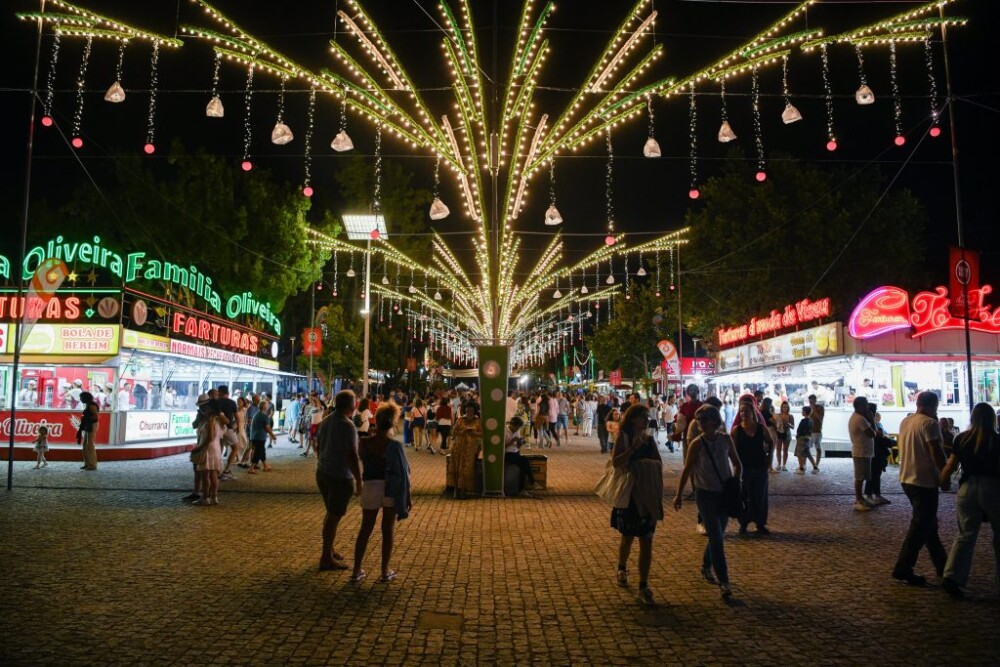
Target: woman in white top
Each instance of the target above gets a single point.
(364, 417)
(590, 414)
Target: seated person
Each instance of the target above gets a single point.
(513, 440)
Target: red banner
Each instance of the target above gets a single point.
(615, 378)
(312, 341)
(62, 426)
(963, 276)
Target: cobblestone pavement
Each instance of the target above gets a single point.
(110, 567)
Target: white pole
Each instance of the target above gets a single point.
(368, 318)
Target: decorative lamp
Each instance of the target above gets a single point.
(726, 133)
(584, 290)
(385, 280)
(641, 271)
(341, 142)
(610, 279)
(437, 296)
(412, 289)
(790, 115)
(281, 134)
(652, 148)
(351, 273)
(864, 95)
(552, 216)
(115, 94)
(439, 211)
(557, 294)
(214, 108)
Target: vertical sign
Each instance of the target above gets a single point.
(312, 342)
(963, 279)
(493, 370)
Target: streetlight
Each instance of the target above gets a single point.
(293, 354)
(366, 227)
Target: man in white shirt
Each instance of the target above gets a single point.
(862, 449)
(511, 407)
(920, 464)
(124, 400)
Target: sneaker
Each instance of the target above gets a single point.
(800, 471)
(701, 529)
(623, 578)
(883, 501)
(37, 466)
(646, 597)
(910, 579)
(861, 507)
(726, 591)
(952, 588)
(46, 463)
(706, 572)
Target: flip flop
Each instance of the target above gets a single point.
(389, 576)
(359, 577)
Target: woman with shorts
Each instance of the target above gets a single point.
(784, 423)
(385, 486)
(443, 416)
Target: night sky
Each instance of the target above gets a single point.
(650, 195)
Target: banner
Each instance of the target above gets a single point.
(62, 426)
(615, 378)
(66, 339)
(50, 275)
(312, 341)
(963, 277)
(670, 358)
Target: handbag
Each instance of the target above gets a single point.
(732, 500)
(615, 485)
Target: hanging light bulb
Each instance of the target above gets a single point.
(214, 108)
(652, 148)
(584, 290)
(385, 280)
(790, 114)
(552, 216)
(439, 211)
(864, 95)
(641, 271)
(557, 294)
(115, 94)
(342, 142)
(437, 296)
(726, 133)
(412, 289)
(351, 273)
(610, 280)
(281, 134)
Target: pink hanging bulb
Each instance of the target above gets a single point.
(935, 131)
(899, 140)
(47, 121)
(307, 191)
(77, 142)
(247, 165)
(609, 239)
(761, 176)
(149, 149)
(831, 145)
(693, 193)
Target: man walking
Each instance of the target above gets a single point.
(603, 410)
(920, 464)
(230, 438)
(816, 413)
(862, 450)
(338, 473)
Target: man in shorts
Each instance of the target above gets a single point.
(817, 413)
(230, 438)
(862, 450)
(803, 438)
(338, 473)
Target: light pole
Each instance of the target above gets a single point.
(293, 354)
(366, 228)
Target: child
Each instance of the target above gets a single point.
(41, 446)
(803, 438)
(512, 454)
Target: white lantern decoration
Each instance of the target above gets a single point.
(557, 294)
(641, 271)
(790, 115)
(439, 211)
(726, 133)
(115, 94)
(610, 279)
(584, 290)
(652, 148)
(412, 289)
(437, 296)
(864, 96)
(385, 280)
(351, 273)
(552, 216)
(214, 109)
(281, 134)
(342, 142)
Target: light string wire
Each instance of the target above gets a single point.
(121, 60)
(153, 82)
(828, 97)
(310, 121)
(693, 137)
(758, 129)
(897, 103)
(609, 183)
(932, 81)
(81, 81)
(247, 128)
(50, 87)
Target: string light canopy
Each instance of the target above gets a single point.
(495, 153)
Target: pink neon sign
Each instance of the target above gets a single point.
(888, 309)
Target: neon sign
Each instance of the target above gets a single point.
(58, 308)
(213, 332)
(889, 309)
(792, 315)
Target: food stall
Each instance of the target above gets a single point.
(144, 347)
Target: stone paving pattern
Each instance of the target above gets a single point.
(110, 567)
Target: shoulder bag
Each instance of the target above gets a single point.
(615, 485)
(731, 497)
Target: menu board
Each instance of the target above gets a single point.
(82, 339)
(815, 343)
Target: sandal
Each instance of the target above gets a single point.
(359, 577)
(388, 576)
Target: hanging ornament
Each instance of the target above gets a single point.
(790, 114)
(438, 209)
(693, 191)
(672, 285)
(726, 133)
(552, 215)
(350, 271)
(897, 104)
(342, 142)
(214, 108)
(758, 130)
(281, 134)
(557, 294)
(307, 189)
(652, 147)
(412, 289)
(336, 273)
(642, 266)
(150, 146)
(583, 288)
(247, 165)
(935, 131)
(50, 86)
(115, 93)
(831, 139)
(609, 181)
(81, 81)
(864, 95)
(385, 273)
(657, 273)
(610, 280)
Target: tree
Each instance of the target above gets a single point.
(628, 341)
(805, 232)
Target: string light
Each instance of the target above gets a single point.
(50, 90)
(652, 146)
(693, 191)
(758, 130)
(154, 61)
(864, 95)
(307, 189)
(438, 211)
(726, 133)
(336, 273)
(350, 270)
(247, 165)
(935, 109)
(115, 93)
(658, 273)
(281, 134)
(790, 114)
(897, 104)
(214, 108)
(609, 178)
(342, 142)
(552, 215)
(831, 138)
(377, 195)
(672, 285)
(81, 81)
(628, 293)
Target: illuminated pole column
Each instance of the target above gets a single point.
(368, 318)
(494, 369)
